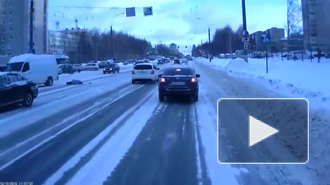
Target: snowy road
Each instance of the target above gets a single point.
(118, 133)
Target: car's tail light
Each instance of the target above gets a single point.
(162, 81)
(152, 72)
(194, 81)
(133, 72)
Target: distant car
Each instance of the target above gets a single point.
(139, 62)
(91, 67)
(178, 81)
(144, 71)
(3, 68)
(146, 61)
(16, 89)
(111, 68)
(77, 67)
(184, 61)
(177, 61)
(103, 64)
(67, 68)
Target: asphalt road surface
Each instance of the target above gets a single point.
(124, 136)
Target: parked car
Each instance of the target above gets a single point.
(41, 69)
(146, 61)
(139, 62)
(178, 81)
(15, 89)
(111, 68)
(3, 68)
(144, 71)
(67, 68)
(91, 67)
(77, 67)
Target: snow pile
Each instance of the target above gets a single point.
(294, 79)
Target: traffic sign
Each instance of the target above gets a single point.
(147, 11)
(246, 46)
(266, 37)
(130, 12)
(245, 39)
(245, 34)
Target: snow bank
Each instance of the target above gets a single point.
(289, 78)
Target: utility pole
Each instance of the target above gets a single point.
(244, 29)
(209, 31)
(31, 43)
(111, 43)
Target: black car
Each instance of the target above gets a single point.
(67, 68)
(177, 61)
(178, 80)
(111, 68)
(3, 68)
(15, 89)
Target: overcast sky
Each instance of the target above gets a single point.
(173, 20)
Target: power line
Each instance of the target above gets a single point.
(87, 7)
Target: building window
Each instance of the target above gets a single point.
(9, 45)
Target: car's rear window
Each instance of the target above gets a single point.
(178, 71)
(143, 67)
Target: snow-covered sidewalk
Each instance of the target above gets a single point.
(289, 78)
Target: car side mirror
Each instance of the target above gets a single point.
(198, 75)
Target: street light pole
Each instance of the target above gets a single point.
(111, 36)
(31, 42)
(209, 35)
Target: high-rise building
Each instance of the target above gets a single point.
(15, 26)
(316, 24)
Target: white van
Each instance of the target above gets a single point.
(42, 69)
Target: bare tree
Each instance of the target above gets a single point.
(294, 17)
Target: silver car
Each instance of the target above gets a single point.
(91, 67)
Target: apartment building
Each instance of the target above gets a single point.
(316, 24)
(15, 26)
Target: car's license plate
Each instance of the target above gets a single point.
(178, 83)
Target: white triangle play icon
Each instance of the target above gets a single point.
(259, 131)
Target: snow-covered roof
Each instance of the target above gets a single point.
(24, 57)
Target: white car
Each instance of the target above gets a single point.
(91, 67)
(144, 71)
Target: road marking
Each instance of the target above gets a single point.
(58, 133)
(116, 147)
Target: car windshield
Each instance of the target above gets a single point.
(15, 66)
(141, 67)
(171, 92)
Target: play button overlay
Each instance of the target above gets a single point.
(259, 131)
(263, 131)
